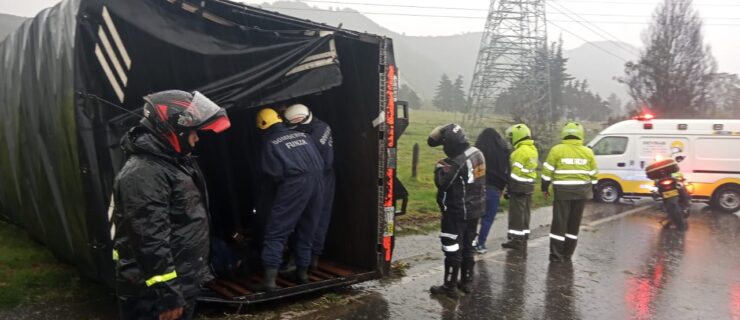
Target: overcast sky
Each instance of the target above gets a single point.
(622, 20)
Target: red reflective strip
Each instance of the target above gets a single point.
(162, 110)
(387, 247)
(389, 184)
(220, 124)
(390, 115)
(184, 104)
(173, 140)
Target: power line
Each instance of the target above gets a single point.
(486, 10)
(398, 5)
(613, 37)
(586, 41)
(597, 46)
(652, 4)
(476, 17)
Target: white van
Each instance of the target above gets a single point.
(708, 150)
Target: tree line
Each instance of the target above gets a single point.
(674, 77)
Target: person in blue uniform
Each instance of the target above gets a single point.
(291, 160)
(300, 118)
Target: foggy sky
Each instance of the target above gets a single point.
(722, 20)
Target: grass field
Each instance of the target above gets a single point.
(29, 273)
(423, 213)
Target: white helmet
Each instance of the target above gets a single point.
(297, 114)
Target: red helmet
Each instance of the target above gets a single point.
(172, 114)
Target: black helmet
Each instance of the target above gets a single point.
(172, 114)
(448, 134)
(451, 137)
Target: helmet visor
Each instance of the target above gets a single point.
(200, 111)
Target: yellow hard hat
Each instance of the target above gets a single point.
(267, 117)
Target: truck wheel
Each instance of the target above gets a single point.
(608, 191)
(726, 199)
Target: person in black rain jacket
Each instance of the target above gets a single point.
(460, 179)
(160, 217)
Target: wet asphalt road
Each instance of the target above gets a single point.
(625, 268)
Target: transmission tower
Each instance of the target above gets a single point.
(515, 33)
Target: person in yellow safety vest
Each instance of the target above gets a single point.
(523, 163)
(571, 169)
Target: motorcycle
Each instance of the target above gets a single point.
(673, 190)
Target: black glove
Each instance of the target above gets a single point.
(545, 185)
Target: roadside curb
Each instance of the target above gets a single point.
(615, 217)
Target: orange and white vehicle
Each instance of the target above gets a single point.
(708, 152)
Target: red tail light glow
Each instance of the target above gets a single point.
(644, 116)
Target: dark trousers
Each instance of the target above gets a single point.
(519, 215)
(457, 239)
(297, 207)
(130, 308)
(566, 221)
(326, 210)
(492, 200)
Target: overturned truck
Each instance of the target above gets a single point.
(71, 84)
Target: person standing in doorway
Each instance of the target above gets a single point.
(571, 169)
(292, 161)
(523, 161)
(303, 120)
(496, 152)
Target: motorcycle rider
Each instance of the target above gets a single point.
(460, 180)
(160, 216)
(571, 169)
(523, 162)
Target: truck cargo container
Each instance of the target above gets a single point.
(72, 83)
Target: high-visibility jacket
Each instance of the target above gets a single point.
(523, 162)
(569, 164)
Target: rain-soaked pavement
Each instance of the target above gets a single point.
(624, 268)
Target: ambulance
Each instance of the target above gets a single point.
(708, 153)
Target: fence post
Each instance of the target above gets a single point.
(414, 160)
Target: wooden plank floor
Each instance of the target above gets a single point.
(240, 287)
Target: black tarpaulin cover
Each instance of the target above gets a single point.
(56, 164)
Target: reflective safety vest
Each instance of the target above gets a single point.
(570, 163)
(523, 162)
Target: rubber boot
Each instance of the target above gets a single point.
(466, 276)
(268, 283)
(557, 250)
(288, 268)
(449, 288)
(314, 263)
(515, 244)
(301, 275)
(569, 248)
